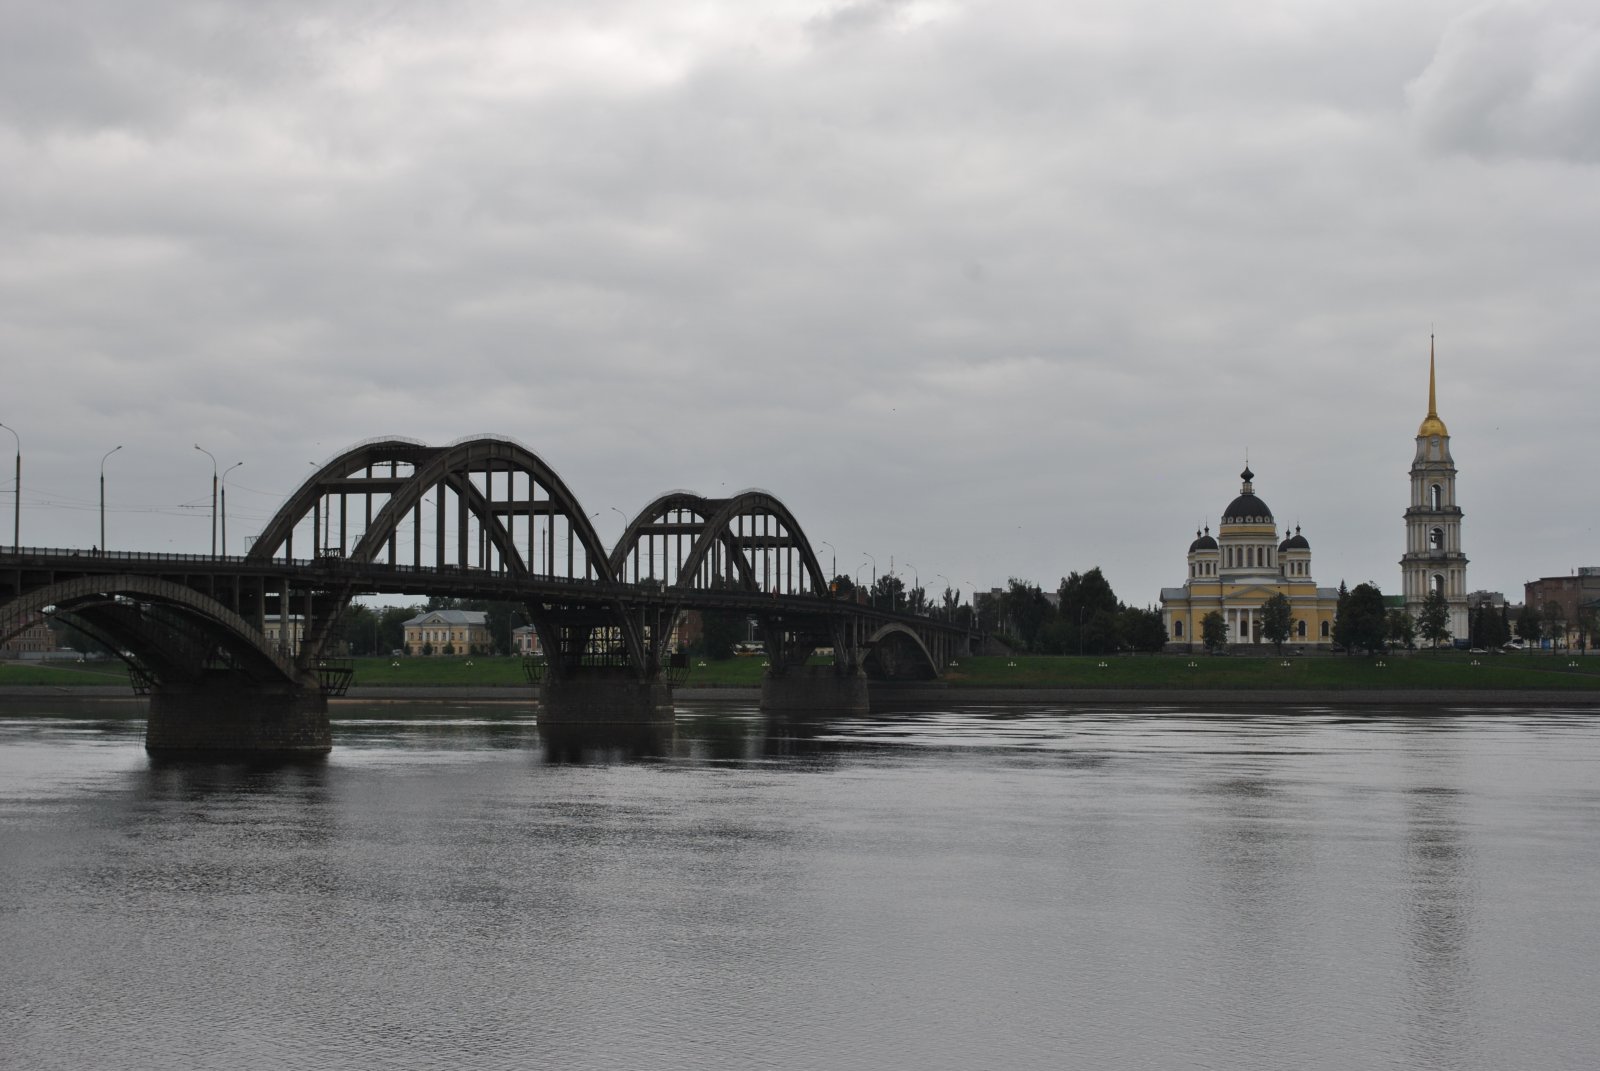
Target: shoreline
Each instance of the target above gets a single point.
(903, 695)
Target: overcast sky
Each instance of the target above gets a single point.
(997, 289)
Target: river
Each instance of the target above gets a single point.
(1003, 886)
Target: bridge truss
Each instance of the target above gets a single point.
(483, 517)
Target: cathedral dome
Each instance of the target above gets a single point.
(1203, 542)
(1295, 542)
(1247, 508)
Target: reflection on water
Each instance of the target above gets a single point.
(966, 887)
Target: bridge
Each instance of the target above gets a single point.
(483, 518)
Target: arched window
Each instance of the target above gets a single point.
(1438, 583)
(1324, 630)
(1177, 630)
(1435, 497)
(1300, 630)
(1436, 538)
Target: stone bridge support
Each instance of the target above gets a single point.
(814, 690)
(593, 696)
(230, 716)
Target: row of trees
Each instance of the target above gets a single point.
(1085, 618)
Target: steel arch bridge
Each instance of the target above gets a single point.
(486, 518)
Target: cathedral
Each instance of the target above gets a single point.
(1236, 571)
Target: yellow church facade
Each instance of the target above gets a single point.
(1236, 571)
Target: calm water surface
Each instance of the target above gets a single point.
(1000, 887)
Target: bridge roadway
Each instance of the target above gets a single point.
(481, 518)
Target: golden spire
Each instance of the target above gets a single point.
(1432, 425)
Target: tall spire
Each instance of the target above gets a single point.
(1431, 424)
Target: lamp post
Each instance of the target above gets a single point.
(214, 481)
(109, 452)
(225, 472)
(872, 592)
(16, 520)
(833, 571)
(949, 611)
(916, 585)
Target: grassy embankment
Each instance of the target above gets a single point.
(1333, 673)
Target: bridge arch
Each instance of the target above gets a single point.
(889, 647)
(755, 535)
(520, 508)
(201, 633)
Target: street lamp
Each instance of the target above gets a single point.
(833, 571)
(213, 458)
(950, 610)
(225, 472)
(916, 585)
(872, 592)
(16, 521)
(109, 452)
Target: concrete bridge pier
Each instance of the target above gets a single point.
(597, 698)
(231, 717)
(814, 690)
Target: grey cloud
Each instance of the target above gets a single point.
(1514, 80)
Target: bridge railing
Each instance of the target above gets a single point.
(96, 554)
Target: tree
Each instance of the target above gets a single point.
(392, 626)
(721, 629)
(1400, 627)
(1088, 613)
(1214, 631)
(888, 593)
(1142, 630)
(1277, 619)
(843, 587)
(1499, 628)
(1361, 619)
(1528, 629)
(1341, 619)
(1025, 612)
(1586, 623)
(1555, 624)
(1434, 620)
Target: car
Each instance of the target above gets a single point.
(1477, 650)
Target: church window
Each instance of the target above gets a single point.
(1436, 538)
(1435, 497)
(1300, 630)
(1438, 583)
(1177, 630)
(1324, 630)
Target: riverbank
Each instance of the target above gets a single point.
(1417, 679)
(1445, 669)
(911, 696)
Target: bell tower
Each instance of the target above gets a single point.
(1433, 559)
